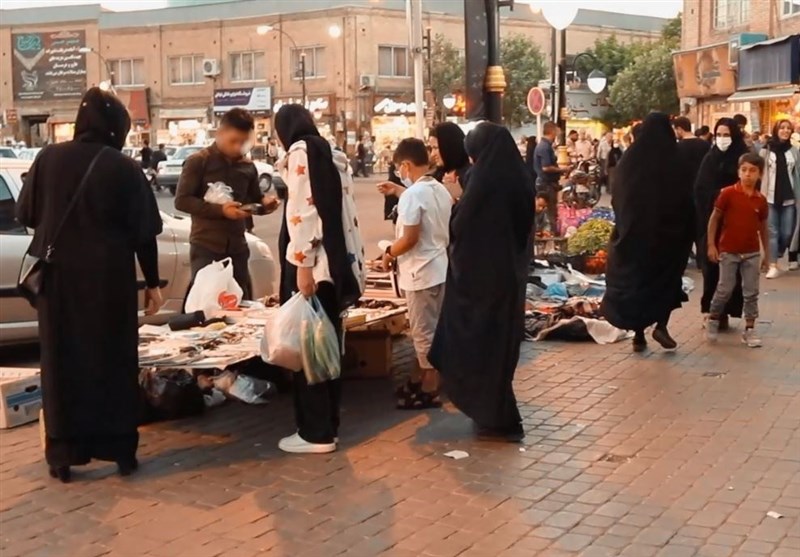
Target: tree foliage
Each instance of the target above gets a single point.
(524, 65)
(671, 33)
(611, 57)
(447, 69)
(646, 85)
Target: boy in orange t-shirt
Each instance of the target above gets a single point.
(743, 211)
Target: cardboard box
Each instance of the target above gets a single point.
(20, 396)
(368, 355)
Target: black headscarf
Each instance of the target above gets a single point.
(476, 346)
(451, 151)
(720, 169)
(102, 118)
(294, 123)
(783, 182)
(653, 231)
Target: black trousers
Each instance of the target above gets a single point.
(316, 407)
(200, 257)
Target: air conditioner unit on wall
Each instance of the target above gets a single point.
(738, 41)
(366, 81)
(211, 67)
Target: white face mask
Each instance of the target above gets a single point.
(723, 143)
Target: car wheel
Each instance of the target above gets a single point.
(265, 182)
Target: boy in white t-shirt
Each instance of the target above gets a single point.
(420, 251)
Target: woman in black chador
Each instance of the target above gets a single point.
(477, 342)
(88, 322)
(652, 237)
(719, 169)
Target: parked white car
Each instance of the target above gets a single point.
(169, 171)
(18, 321)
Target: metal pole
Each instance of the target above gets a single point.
(562, 86)
(430, 56)
(495, 79)
(344, 84)
(414, 17)
(303, 78)
(553, 74)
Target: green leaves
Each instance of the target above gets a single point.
(523, 64)
(646, 85)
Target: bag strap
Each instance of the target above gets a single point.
(73, 202)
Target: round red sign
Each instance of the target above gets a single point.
(536, 101)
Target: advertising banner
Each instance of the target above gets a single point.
(704, 72)
(257, 100)
(48, 65)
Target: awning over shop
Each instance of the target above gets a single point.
(138, 105)
(770, 63)
(763, 94)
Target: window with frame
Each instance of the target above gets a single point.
(186, 70)
(128, 73)
(314, 61)
(8, 220)
(791, 7)
(731, 13)
(247, 66)
(394, 61)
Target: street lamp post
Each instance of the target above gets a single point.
(87, 50)
(264, 30)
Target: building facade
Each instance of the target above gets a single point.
(179, 68)
(740, 56)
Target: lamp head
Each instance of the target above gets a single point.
(596, 81)
(334, 31)
(264, 29)
(85, 50)
(560, 15)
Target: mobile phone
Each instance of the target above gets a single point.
(254, 208)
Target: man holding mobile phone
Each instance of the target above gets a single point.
(218, 231)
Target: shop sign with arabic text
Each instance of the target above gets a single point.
(48, 65)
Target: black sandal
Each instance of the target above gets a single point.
(411, 397)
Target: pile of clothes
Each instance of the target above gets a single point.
(563, 304)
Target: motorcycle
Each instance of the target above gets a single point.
(580, 192)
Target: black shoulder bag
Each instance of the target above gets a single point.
(30, 283)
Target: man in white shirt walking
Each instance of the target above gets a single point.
(420, 251)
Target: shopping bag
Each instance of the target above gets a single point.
(281, 344)
(214, 288)
(320, 346)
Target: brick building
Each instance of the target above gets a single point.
(740, 56)
(173, 65)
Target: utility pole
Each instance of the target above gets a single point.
(303, 77)
(562, 87)
(414, 18)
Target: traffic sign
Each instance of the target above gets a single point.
(536, 101)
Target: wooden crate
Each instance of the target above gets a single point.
(368, 355)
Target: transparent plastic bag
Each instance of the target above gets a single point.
(243, 387)
(218, 193)
(320, 347)
(281, 344)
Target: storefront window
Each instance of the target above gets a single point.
(731, 13)
(791, 7)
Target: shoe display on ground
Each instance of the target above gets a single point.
(751, 339)
(712, 330)
(773, 272)
(297, 445)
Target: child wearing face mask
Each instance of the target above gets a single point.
(420, 252)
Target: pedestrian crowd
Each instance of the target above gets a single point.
(464, 208)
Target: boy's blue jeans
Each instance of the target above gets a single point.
(749, 264)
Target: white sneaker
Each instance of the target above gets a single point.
(773, 272)
(751, 339)
(298, 445)
(793, 265)
(712, 330)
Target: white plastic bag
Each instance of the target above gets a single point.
(214, 288)
(219, 193)
(281, 345)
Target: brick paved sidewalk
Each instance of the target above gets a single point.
(658, 454)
